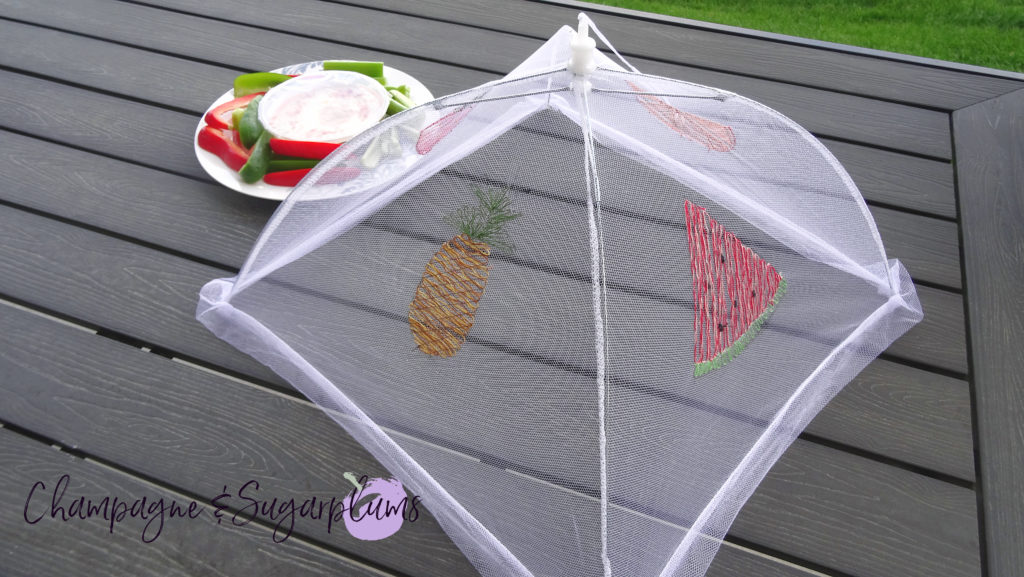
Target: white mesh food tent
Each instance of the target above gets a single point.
(580, 311)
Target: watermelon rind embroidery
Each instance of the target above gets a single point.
(703, 368)
(735, 291)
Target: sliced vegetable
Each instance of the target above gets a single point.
(404, 89)
(287, 177)
(374, 69)
(302, 149)
(258, 82)
(395, 106)
(234, 133)
(385, 145)
(282, 164)
(221, 115)
(249, 127)
(259, 160)
(401, 98)
(223, 144)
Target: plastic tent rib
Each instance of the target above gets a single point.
(580, 310)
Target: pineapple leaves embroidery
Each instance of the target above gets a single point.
(734, 291)
(454, 280)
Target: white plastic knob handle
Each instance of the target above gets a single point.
(583, 46)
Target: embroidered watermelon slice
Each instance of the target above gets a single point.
(734, 291)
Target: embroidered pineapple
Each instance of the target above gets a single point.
(454, 280)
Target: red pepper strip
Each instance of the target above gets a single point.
(433, 134)
(286, 177)
(225, 145)
(301, 148)
(220, 117)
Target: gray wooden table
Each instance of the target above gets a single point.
(108, 227)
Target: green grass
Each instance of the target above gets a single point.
(982, 32)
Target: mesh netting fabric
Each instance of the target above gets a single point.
(581, 317)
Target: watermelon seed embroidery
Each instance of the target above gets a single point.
(723, 269)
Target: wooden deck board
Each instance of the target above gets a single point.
(941, 342)
(169, 421)
(56, 111)
(990, 155)
(921, 417)
(274, 448)
(927, 246)
(822, 112)
(883, 176)
(898, 180)
(64, 271)
(879, 503)
(316, 453)
(98, 294)
(924, 244)
(120, 227)
(181, 548)
(826, 113)
(223, 43)
(945, 349)
(888, 405)
(159, 137)
(665, 39)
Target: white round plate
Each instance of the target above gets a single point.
(220, 172)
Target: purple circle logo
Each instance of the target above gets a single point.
(376, 508)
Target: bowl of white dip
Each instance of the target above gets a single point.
(325, 106)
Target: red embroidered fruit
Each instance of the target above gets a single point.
(711, 134)
(734, 291)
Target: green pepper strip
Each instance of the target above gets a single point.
(394, 107)
(258, 82)
(374, 69)
(281, 164)
(399, 102)
(236, 117)
(249, 127)
(259, 160)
